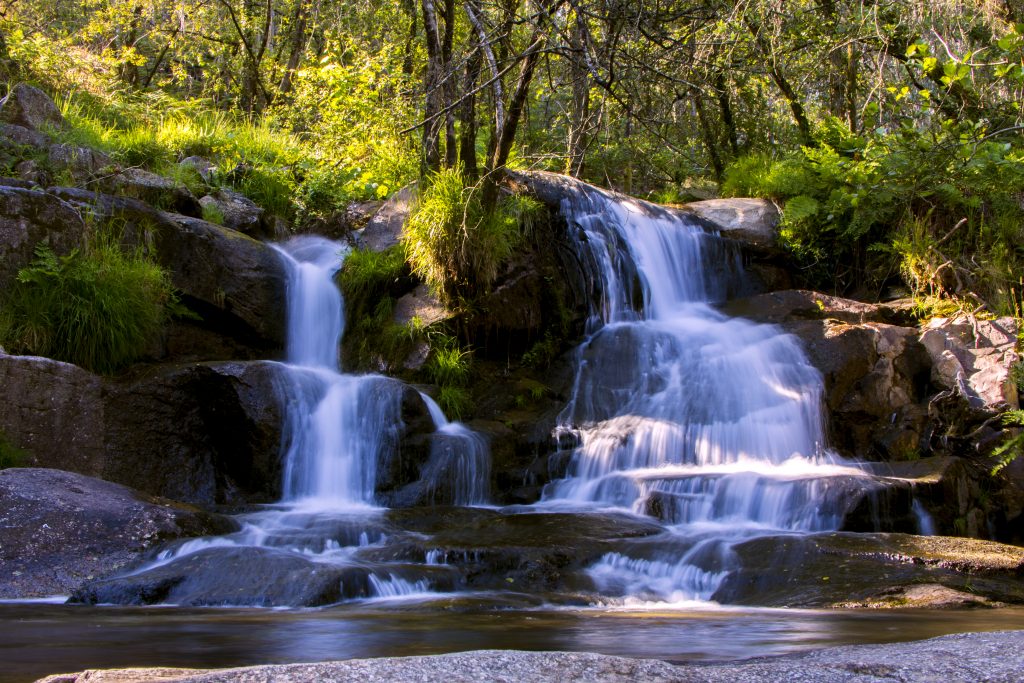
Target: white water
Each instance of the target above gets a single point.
(337, 429)
(713, 424)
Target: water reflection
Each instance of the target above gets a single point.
(39, 639)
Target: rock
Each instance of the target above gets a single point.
(751, 221)
(240, 213)
(420, 304)
(974, 357)
(201, 433)
(58, 529)
(31, 217)
(996, 657)
(384, 229)
(30, 175)
(155, 190)
(800, 304)
(54, 411)
(81, 163)
(31, 108)
(14, 136)
(877, 570)
(235, 283)
(203, 166)
(250, 576)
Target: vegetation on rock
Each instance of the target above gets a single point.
(100, 308)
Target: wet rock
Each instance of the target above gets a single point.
(54, 411)
(31, 217)
(384, 229)
(240, 213)
(500, 551)
(202, 433)
(58, 529)
(155, 190)
(31, 108)
(244, 576)
(751, 221)
(870, 569)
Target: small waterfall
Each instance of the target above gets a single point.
(335, 425)
(460, 461)
(712, 424)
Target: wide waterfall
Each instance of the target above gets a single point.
(712, 424)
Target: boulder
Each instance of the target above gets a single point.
(31, 217)
(202, 433)
(875, 570)
(203, 166)
(31, 108)
(975, 358)
(81, 163)
(384, 229)
(17, 138)
(753, 222)
(58, 529)
(155, 190)
(233, 282)
(240, 213)
(996, 657)
(54, 411)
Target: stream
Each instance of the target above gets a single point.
(39, 639)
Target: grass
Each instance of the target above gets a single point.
(99, 308)
(11, 455)
(455, 246)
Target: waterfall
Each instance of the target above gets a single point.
(335, 425)
(713, 424)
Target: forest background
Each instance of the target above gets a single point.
(889, 132)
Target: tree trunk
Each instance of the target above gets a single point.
(433, 95)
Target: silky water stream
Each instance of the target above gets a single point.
(687, 434)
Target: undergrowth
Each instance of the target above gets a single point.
(940, 211)
(11, 455)
(98, 307)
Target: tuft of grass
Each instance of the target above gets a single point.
(453, 244)
(449, 365)
(99, 308)
(213, 214)
(454, 401)
(11, 455)
(368, 275)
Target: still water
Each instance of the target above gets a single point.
(39, 639)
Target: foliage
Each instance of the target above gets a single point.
(1013, 446)
(99, 308)
(449, 368)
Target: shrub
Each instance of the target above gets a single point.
(99, 308)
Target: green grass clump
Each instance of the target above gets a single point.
(99, 308)
(213, 214)
(11, 455)
(456, 246)
(449, 364)
(455, 402)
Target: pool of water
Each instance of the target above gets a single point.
(39, 639)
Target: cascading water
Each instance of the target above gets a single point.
(712, 424)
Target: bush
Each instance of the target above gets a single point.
(99, 308)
